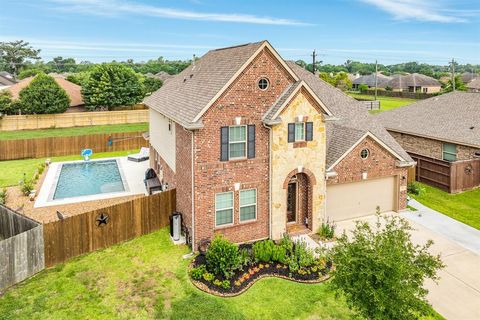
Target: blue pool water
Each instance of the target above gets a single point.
(87, 178)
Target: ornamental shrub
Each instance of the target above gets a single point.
(197, 273)
(207, 276)
(43, 96)
(6, 105)
(222, 257)
(27, 187)
(262, 250)
(381, 273)
(327, 230)
(415, 188)
(3, 196)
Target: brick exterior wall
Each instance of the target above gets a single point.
(431, 148)
(242, 99)
(380, 163)
(182, 178)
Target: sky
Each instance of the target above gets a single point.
(391, 31)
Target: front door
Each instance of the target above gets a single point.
(292, 202)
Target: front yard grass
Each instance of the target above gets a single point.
(464, 207)
(386, 103)
(11, 172)
(74, 131)
(147, 278)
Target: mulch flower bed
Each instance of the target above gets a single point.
(242, 280)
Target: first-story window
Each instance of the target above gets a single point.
(237, 140)
(449, 152)
(299, 131)
(248, 204)
(223, 208)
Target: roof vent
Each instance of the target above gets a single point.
(191, 76)
(184, 79)
(472, 127)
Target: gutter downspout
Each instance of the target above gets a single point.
(193, 191)
(269, 181)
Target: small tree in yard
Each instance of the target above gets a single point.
(6, 102)
(111, 85)
(43, 95)
(380, 271)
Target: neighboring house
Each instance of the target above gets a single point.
(474, 85)
(369, 80)
(73, 90)
(257, 147)
(414, 82)
(469, 76)
(164, 76)
(444, 133)
(6, 80)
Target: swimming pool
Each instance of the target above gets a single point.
(79, 181)
(87, 178)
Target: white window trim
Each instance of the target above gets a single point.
(368, 153)
(240, 206)
(448, 152)
(232, 208)
(244, 141)
(268, 83)
(304, 132)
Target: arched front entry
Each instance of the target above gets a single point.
(299, 191)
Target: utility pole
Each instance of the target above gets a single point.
(376, 79)
(453, 74)
(314, 56)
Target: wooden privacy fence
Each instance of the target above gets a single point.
(63, 146)
(21, 247)
(84, 233)
(371, 104)
(449, 176)
(73, 119)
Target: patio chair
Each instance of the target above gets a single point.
(143, 155)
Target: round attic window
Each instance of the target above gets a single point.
(263, 83)
(364, 153)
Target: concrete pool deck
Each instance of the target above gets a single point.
(132, 176)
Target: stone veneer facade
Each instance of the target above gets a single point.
(431, 148)
(289, 159)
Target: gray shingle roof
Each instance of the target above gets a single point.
(184, 96)
(412, 80)
(354, 121)
(474, 84)
(453, 117)
(369, 80)
(268, 117)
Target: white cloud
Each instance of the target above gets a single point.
(119, 7)
(422, 10)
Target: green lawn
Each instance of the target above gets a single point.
(147, 278)
(75, 131)
(386, 103)
(464, 207)
(11, 172)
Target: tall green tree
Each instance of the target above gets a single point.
(151, 84)
(14, 54)
(43, 95)
(459, 85)
(110, 85)
(381, 272)
(6, 102)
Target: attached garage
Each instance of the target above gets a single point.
(357, 199)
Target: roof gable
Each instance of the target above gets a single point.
(288, 95)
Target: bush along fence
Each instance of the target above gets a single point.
(63, 146)
(400, 94)
(226, 269)
(21, 247)
(73, 119)
(101, 228)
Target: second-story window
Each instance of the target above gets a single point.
(300, 131)
(237, 140)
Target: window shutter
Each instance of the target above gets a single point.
(291, 132)
(224, 144)
(251, 141)
(309, 131)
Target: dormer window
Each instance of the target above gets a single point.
(263, 84)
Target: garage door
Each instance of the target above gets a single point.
(357, 199)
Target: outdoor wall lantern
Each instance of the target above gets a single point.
(364, 175)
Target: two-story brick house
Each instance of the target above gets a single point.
(257, 146)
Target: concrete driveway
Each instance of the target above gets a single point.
(457, 294)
